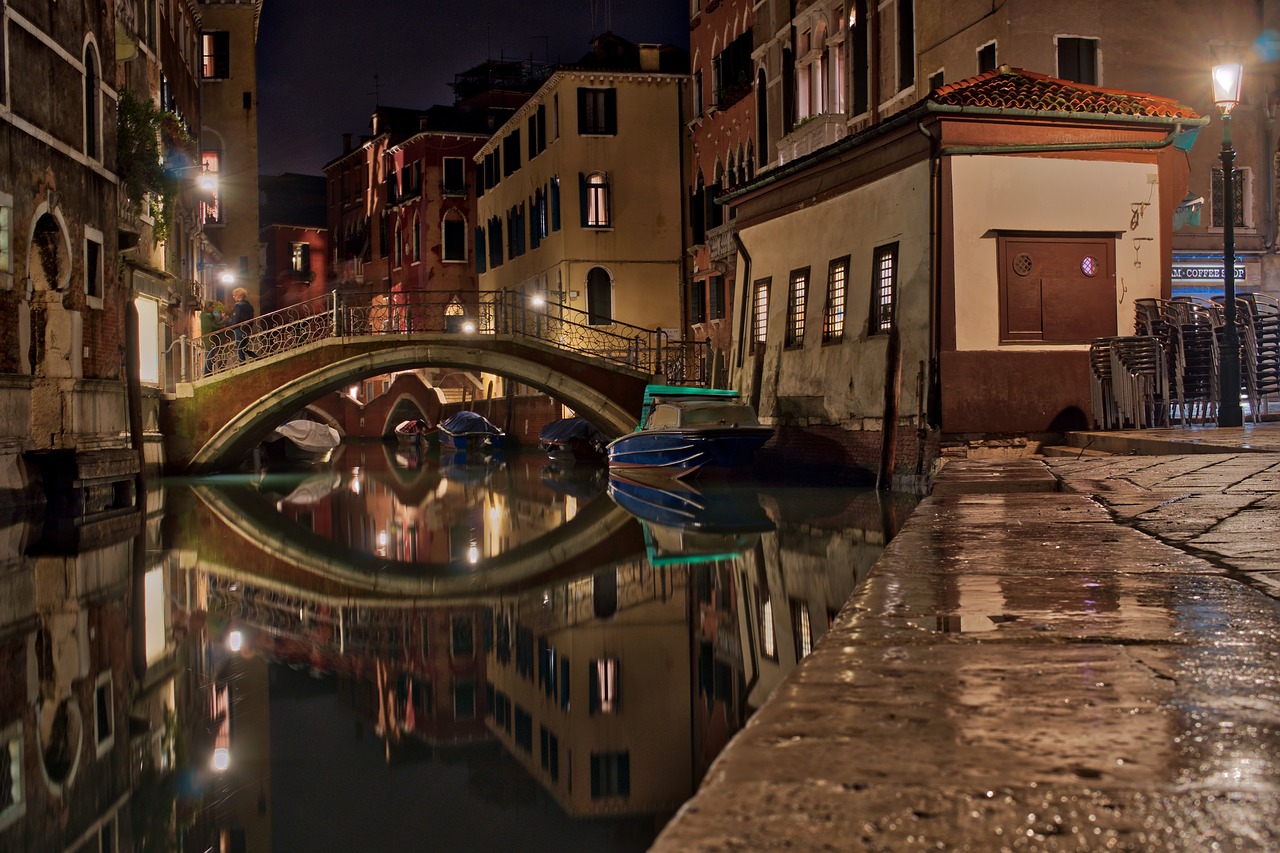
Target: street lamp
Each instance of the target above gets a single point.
(1226, 94)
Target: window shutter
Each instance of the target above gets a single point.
(555, 204)
(222, 55)
(611, 111)
(593, 688)
(306, 259)
(584, 125)
(582, 199)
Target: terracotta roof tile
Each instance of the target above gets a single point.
(1007, 88)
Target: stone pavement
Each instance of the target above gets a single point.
(1061, 654)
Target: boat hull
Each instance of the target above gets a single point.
(470, 442)
(686, 452)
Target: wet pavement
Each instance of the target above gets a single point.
(1056, 654)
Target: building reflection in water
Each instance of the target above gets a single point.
(449, 610)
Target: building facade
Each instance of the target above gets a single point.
(722, 141)
(229, 146)
(581, 192)
(295, 240)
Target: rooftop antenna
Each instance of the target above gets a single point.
(377, 91)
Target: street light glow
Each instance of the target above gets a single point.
(1227, 79)
(221, 759)
(235, 641)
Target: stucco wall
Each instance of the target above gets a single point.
(843, 383)
(1013, 193)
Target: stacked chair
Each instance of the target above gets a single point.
(1169, 371)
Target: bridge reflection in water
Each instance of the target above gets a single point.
(494, 655)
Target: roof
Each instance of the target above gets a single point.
(1014, 88)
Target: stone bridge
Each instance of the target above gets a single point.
(294, 356)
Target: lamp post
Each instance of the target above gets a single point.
(1226, 94)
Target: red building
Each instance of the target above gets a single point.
(721, 137)
(295, 240)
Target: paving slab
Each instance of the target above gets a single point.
(1031, 671)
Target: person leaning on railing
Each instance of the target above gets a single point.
(241, 316)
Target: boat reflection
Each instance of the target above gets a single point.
(581, 679)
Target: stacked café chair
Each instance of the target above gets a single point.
(1195, 358)
(1266, 336)
(1246, 339)
(1140, 381)
(1106, 414)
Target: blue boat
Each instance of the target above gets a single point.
(468, 432)
(685, 432)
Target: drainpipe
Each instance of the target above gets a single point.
(684, 213)
(133, 395)
(1269, 167)
(931, 398)
(744, 306)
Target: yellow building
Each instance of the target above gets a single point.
(229, 144)
(581, 192)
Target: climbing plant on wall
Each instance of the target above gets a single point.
(149, 137)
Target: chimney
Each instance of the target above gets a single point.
(650, 57)
(346, 143)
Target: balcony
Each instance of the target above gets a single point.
(811, 134)
(720, 243)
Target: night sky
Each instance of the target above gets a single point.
(317, 58)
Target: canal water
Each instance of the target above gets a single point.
(399, 651)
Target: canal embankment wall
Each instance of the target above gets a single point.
(1028, 668)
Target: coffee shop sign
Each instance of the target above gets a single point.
(1204, 273)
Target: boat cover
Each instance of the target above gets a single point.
(463, 423)
(311, 436)
(564, 430)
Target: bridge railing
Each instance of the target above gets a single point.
(349, 314)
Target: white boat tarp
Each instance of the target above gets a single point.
(311, 436)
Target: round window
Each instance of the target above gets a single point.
(1089, 266)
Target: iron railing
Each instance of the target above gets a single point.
(507, 313)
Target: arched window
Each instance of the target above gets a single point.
(91, 102)
(417, 239)
(595, 200)
(454, 229)
(599, 297)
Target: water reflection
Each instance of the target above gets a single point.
(519, 663)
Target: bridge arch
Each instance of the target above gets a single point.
(563, 376)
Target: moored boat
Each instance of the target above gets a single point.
(412, 431)
(572, 438)
(301, 440)
(685, 432)
(468, 432)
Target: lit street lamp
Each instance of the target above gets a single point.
(1226, 94)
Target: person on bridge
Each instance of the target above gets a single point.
(211, 320)
(241, 315)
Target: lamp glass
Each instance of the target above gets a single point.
(1227, 79)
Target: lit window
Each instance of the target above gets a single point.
(595, 200)
(768, 640)
(884, 288)
(760, 313)
(12, 804)
(215, 55)
(803, 630)
(300, 259)
(210, 162)
(833, 315)
(603, 686)
(797, 293)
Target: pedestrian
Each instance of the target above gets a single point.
(212, 320)
(241, 315)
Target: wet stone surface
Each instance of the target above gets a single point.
(1028, 671)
